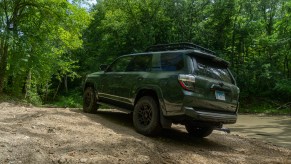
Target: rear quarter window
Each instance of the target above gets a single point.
(172, 61)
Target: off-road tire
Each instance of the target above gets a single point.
(89, 101)
(146, 116)
(198, 132)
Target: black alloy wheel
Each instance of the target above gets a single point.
(198, 132)
(146, 116)
(89, 100)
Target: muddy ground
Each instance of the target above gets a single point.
(54, 135)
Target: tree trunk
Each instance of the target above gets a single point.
(28, 84)
(57, 90)
(287, 67)
(233, 45)
(3, 62)
(66, 83)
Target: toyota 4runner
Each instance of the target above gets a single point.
(171, 83)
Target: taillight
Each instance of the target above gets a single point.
(187, 81)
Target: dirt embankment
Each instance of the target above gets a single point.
(53, 135)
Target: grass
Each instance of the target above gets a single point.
(265, 106)
(14, 100)
(5, 98)
(72, 99)
(259, 109)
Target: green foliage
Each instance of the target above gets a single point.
(283, 89)
(265, 109)
(44, 43)
(34, 98)
(73, 99)
(253, 35)
(260, 105)
(39, 37)
(6, 98)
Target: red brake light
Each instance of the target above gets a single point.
(187, 81)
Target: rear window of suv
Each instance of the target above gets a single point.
(212, 69)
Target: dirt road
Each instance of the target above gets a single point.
(275, 129)
(51, 135)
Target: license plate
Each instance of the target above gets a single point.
(220, 95)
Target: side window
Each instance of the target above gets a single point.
(172, 61)
(120, 65)
(140, 63)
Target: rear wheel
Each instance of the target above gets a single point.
(146, 116)
(199, 132)
(89, 100)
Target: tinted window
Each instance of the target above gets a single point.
(120, 64)
(215, 70)
(172, 61)
(140, 63)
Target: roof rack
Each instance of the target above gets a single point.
(178, 46)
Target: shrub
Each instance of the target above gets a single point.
(282, 90)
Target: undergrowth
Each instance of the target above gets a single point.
(71, 99)
(266, 106)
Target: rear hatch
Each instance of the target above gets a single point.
(212, 84)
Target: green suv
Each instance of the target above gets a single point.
(171, 83)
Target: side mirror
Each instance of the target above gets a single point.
(103, 67)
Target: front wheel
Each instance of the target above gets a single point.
(89, 100)
(146, 116)
(199, 132)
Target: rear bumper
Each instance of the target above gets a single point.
(208, 116)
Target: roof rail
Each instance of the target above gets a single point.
(178, 46)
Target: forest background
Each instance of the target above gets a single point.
(48, 46)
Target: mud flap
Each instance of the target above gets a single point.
(166, 123)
